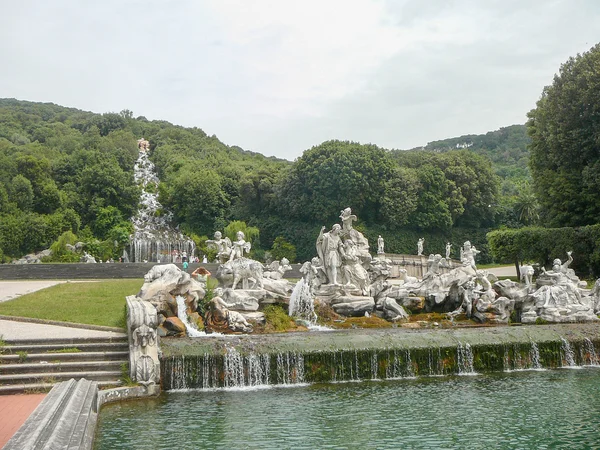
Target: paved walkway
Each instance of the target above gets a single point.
(14, 411)
(11, 330)
(503, 271)
(13, 289)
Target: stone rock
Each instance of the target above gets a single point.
(414, 304)
(174, 326)
(256, 317)
(392, 310)
(241, 300)
(281, 287)
(354, 306)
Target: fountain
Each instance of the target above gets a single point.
(154, 239)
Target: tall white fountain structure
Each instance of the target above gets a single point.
(154, 239)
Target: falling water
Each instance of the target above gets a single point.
(191, 328)
(374, 367)
(302, 302)
(154, 239)
(410, 371)
(464, 356)
(290, 368)
(589, 353)
(568, 355)
(534, 355)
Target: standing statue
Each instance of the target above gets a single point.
(239, 246)
(468, 254)
(222, 246)
(330, 250)
(380, 245)
(420, 243)
(347, 219)
(448, 250)
(348, 232)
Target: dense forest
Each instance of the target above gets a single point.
(65, 170)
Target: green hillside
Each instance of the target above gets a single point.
(62, 169)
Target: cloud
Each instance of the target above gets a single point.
(279, 76)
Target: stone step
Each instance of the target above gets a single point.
(67, 366)
(13, 389)
(49, 347)
(69, 342)
(54, 357)
(55, 377)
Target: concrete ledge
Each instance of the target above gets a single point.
(127, 393)
(66, 418)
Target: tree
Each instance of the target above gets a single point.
(565, 143)
(333, 176)
(283, 249)
(21, 192)
(196, 199)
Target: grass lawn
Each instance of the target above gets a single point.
(96, 303)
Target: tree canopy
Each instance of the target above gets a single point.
(565, 143)
(65, 170)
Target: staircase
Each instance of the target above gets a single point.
(36, 366)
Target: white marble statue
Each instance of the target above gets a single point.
(221, 245)
(277, 269)
(448, 250)
(239, 247)
(468, 254)
(420, 243)
(526, 273)
(380, 245)
(330, 251)
(354, 272)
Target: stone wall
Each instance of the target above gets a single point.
(374, 354)
(94, 271)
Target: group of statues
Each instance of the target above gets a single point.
(346, 277)
(143, 145)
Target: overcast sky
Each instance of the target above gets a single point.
(278, 77)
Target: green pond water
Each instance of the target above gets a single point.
(533, 409)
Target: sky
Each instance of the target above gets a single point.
(279, 76)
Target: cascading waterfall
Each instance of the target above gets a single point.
(233, 368)
(534, 356)
(464, 360)
(237, 368)
(191, 328)
(567, 353)
(153, 239)
(589, 354)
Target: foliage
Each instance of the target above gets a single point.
(277, 318)
(283, 249)
(64, 169)
(211, 285)
(565, 138)
(60, 252)
(543, 245)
